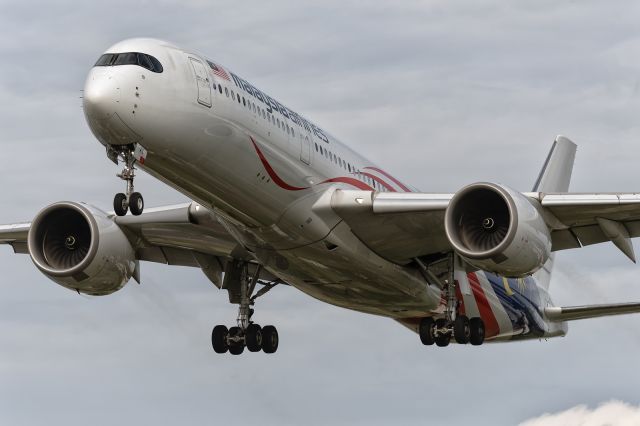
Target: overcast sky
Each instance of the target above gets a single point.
(441, 93)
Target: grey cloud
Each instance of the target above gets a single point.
(441, 94)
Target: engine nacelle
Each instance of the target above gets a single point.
(497, 229)
(81, 248)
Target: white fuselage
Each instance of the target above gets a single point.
(258, 169)
(265, 171)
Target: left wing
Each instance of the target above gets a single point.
(571, 313)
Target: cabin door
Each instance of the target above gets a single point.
(305, 148)
(202, 80)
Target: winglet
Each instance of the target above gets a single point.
(556, 172)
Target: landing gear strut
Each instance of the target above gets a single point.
(130, 200)
(452, 324)
(246, 333)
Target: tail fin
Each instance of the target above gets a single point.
(555, 176)
(556, 172)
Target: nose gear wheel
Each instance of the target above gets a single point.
(129, 200)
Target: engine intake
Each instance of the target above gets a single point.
(62, 238)
(497, 229)
(81, 248)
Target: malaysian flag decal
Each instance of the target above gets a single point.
(219, 71)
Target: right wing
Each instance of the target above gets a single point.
(185, 235)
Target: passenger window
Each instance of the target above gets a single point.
(233, 95)
(220, 88)
(244, 102)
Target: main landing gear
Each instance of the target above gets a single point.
(246, 333)
(462, 329)
(452, 324)
(130, 200)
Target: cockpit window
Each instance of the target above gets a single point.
(130, 58)
(105, 60)
(126, 59)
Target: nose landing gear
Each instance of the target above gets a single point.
(130, 200)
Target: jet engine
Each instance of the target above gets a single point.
(81, 248)
(497, 229)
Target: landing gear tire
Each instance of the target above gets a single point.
(136, 204)
(253, 337)
(461, 330)
(236, 346)
(120, 204)
(442, 338)
(426, 329)
(269, 339)
(236, 349)
(476, 327)
(219, 339)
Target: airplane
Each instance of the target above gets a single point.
(277, 200)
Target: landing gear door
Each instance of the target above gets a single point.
(202, 80)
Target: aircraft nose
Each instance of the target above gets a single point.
(101, 96)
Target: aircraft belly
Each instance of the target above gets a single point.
(342, 271)
(510, 308)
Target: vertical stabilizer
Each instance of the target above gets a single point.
(555, 175)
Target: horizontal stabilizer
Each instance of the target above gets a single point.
(571, 313)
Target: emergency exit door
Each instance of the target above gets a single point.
(305, 148)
